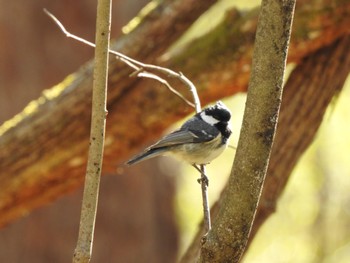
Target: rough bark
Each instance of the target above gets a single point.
(43, 150)
(228, 238)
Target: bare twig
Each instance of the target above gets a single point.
(145, 74)
(139, 66)
(205, 199)
(83, 249)
(141, 71)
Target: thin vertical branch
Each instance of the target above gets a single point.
(83, 249)
(205, 199)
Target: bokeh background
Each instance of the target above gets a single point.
(312, 221)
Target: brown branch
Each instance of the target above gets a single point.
(228, 59)
(43, 148)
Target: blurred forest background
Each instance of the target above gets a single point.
(312, 221)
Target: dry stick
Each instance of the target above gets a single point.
(140, 71)
(83, 249)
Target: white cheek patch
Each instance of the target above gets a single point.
(208, 119)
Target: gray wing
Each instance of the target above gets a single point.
(182, 137)
(200, 128)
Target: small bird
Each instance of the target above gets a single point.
(200, 139)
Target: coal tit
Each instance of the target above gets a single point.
(199, 140)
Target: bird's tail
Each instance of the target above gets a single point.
(146, 155)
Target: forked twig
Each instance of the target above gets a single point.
(139, 66)
(142, 70)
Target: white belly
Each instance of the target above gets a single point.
(204, 154)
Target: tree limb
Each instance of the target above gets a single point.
(55, 127)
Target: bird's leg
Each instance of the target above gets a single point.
(203, 177)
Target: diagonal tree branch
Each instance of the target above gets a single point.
(42, 150)
(36, 127)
